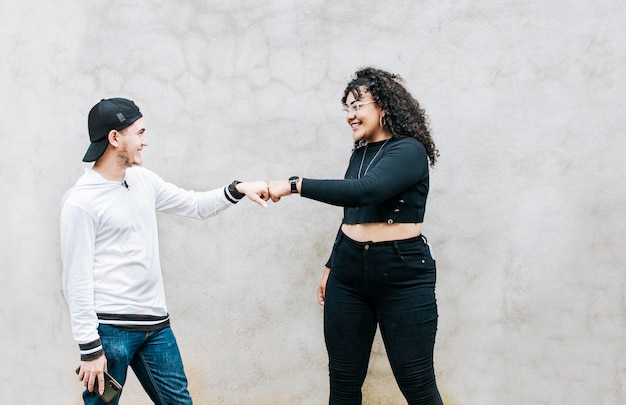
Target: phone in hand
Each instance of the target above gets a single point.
(111, 387)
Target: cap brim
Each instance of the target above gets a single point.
(96, 150)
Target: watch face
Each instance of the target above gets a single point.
(293, 181)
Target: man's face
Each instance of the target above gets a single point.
(132, 141)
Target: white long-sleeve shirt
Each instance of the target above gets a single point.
(110, 248)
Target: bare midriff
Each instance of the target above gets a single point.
(381, 232)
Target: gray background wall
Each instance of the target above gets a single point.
(526, 214)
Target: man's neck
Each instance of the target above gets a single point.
(110, 170)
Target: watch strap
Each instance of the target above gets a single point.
(293, 181)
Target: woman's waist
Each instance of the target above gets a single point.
(391, 212)
(381, 231)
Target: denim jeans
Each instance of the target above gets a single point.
(390, 285)
(153, 356)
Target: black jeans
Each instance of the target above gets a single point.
(392, 285)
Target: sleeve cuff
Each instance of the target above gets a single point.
(232, 194)
(91, 351)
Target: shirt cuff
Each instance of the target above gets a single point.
(91, 351)
(232, 194)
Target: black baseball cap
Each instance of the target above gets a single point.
(107, 115)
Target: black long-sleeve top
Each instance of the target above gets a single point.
(384, 182)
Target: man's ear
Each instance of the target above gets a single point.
(113, 137)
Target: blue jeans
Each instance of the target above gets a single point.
(153, 356)
(390, 285)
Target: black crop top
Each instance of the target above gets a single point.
(385, 182)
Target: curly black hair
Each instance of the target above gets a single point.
(403, 115)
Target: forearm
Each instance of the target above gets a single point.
(343, 193)
(402, 165)
(77, 254)
(79, 293)
(329, 262)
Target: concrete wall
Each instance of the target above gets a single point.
(526, 214)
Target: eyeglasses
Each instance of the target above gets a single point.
(353, 108)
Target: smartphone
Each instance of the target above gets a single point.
(111, 387)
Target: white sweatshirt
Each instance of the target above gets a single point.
(110, 248)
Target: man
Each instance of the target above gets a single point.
(112, 277)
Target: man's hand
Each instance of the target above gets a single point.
(279, 188)
(256, 191)
(90, 370)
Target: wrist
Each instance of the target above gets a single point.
(232, 192)
(293, 184)
(91, 351)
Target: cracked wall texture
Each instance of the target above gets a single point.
(526, 213)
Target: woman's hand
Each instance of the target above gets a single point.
(321, 288)
(279, 188)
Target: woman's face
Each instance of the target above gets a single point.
(363, 116)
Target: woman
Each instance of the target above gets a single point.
(381, 271)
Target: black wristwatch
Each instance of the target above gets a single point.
(293, 180)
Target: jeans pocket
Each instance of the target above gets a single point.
(415, 254)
